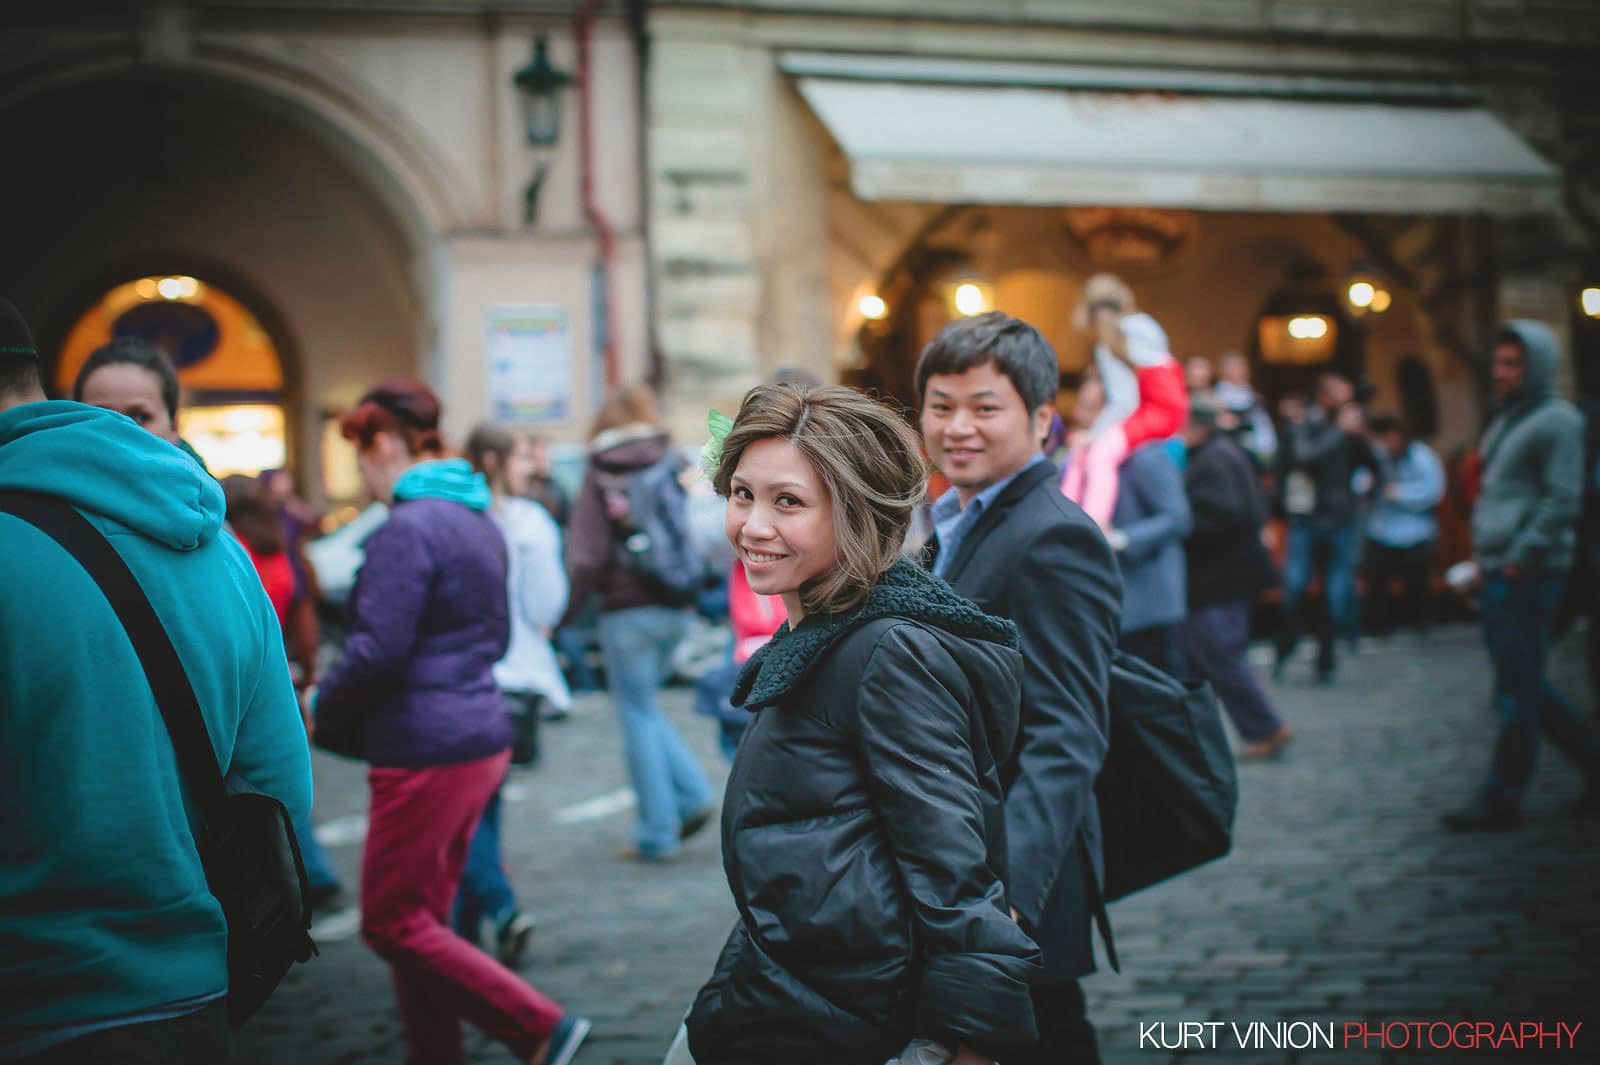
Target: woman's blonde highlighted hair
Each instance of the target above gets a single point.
(870, 462)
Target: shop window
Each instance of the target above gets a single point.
(232, 409)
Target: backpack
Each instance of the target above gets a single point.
(1168, 789)
(649, 511)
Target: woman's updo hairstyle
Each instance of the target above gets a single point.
(869, 461)
(402, 407)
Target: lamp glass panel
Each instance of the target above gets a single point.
(541, 116)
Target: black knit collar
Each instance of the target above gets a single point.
(905, 591)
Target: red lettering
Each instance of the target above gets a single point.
(1524, 1035)
(1485, 1031)
(1467, 1042)
(1355, 1030)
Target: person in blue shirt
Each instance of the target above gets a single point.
(1403, 527)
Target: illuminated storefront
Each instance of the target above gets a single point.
(232, 408)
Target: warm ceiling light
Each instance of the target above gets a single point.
(1381, 301)
(873, 308)
(146, 288)
(181, 287)
(970, 299)
(1362, 294)
(1591, 302)
(1308, 327)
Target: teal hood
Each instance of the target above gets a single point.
(452, 479)
(173, 502)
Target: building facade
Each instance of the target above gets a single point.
(299, 199)
(831, 182)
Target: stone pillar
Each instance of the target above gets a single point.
(738, 219)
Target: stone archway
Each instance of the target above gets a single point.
(156, 170)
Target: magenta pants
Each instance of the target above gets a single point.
(419, 827)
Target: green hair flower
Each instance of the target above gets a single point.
(718, 424)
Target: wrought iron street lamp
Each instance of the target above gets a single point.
(540, 86)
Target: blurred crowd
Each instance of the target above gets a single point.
(1169, 514)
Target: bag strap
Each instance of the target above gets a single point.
(163, 669)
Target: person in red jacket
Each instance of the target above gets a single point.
(256, 524)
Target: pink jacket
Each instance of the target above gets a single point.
(754, 617)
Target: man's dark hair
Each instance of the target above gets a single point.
(1016, 348)
(132, 351)
(19, 358)
(19, 376)
(1383, 424)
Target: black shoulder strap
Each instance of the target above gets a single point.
(175, 697)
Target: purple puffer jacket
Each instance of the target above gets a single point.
(428, 623)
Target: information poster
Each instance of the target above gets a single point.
(529, 355)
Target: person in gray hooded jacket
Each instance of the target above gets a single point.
(1524, 530)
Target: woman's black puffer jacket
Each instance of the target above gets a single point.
(863, 836)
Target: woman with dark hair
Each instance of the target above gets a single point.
(131, 376)
(415, 686)
(863, 829)
(528, 675)
(641, 621)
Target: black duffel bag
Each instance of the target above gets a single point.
(246, 841)
(1168, 791)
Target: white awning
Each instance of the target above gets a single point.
(1043, 145)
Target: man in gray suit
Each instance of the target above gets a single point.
(1006, 538)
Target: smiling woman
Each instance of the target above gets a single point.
(870, 762)
(830, 478)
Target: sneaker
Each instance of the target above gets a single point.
(566, 1039)
(513, 937)
(1484, 818)
(695, 822)
(636, 854)
(1267, 746)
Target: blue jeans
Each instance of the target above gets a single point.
(1338, 583)
(485, 891)
(1518, 613)
(667, 781)
(319, 871)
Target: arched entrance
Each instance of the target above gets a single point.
(317, 282)
(1217, 282)
(233, 407)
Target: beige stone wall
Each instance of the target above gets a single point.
(739, 213)
(367, 179)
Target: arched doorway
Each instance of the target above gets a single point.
(171, 173)
(233, 406)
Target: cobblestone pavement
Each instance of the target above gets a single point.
(1342, 901)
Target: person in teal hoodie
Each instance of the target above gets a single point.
(109, 937)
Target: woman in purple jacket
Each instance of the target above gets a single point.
(415, 683)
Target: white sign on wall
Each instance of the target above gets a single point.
(529, 357)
